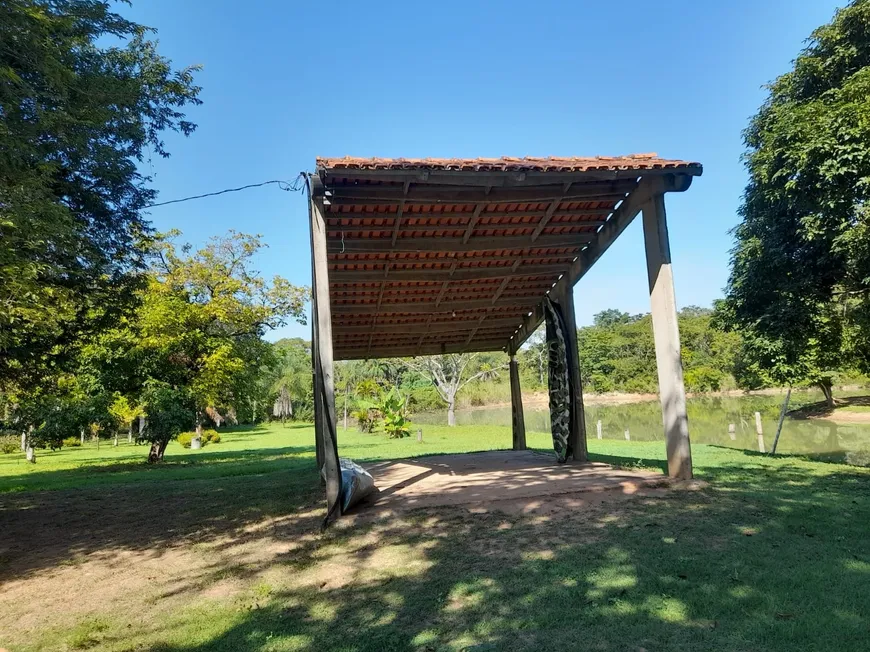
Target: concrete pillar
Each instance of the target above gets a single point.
(667, 338)
(517, 419)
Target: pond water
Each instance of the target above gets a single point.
(709, 420)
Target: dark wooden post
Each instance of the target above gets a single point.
(324, 390)
(667, 338)
(577, 439)
(517, 419)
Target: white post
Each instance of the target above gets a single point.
(598, 428)
(760, 432)
(672, 391)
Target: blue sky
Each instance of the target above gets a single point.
(284, 82)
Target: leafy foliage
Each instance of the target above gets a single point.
(84, 98)
(798, 291)
(392, 407)
(9, 444)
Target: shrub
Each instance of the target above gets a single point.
(185, 438)
(215, 439)
(210, 437)
(10, 444)
(396, 423)
(71, 442)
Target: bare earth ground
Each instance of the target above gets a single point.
(846, 410)
(73, 557)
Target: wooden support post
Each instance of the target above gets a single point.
(324, 389)
(517, 419)
(760, 431)
(667, 338)
(782, 413)
(577, 438)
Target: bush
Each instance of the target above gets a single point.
(10, 444)
(71, 442)
(208, 437)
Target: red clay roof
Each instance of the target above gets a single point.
(507, 163)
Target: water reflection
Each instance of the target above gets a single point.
(709, 420)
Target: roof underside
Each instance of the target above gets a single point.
(432, 256)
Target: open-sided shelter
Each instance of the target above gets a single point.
(431, 256)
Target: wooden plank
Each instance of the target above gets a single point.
(326, 386)
(591, 213)
(447, 245)
(622, 217)
(426, 349)
(355, 229)
(430, 307)
(580, 191)
(666, 334)
(518, 423)
(497, 178)
(460, 274)
(475, 217)
(447, 326)
(456, 201)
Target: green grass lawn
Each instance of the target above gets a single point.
(219, 549)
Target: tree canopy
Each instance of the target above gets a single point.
(85, 98)
(800, 279)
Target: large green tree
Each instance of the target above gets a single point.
(202, 321)
(84, 98)
(800, 279)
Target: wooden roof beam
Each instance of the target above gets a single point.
(496, 178)
(452, 245)
(622, 217)
(430, 306)
(460, 274)
(356, 215)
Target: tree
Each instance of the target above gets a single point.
(125, 413)
(84, 98)
(203, 317)
(449, 374)
(170, 412)
(800, 279)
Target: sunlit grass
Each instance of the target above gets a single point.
(773, 555)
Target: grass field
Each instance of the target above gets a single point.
(219, 549)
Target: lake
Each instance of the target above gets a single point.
(709, 419)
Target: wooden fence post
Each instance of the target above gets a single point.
(760, 432)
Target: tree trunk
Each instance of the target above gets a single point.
(130, 434)
(158, 448)
(142, 422)
(451, 411)
(825, 386)
(24, 441)
(198, 424)
(346, 390)
(254, 414)
(82, 435)
(116, 439)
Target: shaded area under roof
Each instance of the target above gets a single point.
(431, 256)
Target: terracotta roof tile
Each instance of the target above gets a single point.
(508, 163)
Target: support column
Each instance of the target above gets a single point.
(324, 389)
(517, 419)
(577, 439)
(667, 338)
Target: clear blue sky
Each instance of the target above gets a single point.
(284, 82)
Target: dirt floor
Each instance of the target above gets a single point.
(491, 478)
(69, 556)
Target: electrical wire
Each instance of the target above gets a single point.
(288, 186)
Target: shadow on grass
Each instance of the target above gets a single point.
(771, 558)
